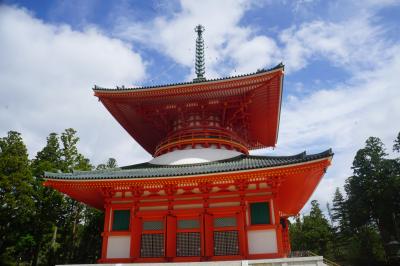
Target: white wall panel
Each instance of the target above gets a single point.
(118, 247)
(262, 241)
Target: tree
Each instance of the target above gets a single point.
(49, 202)
(373, 190)
(340, 226)
(111, 163)
(16, 203)
(312, 233)
(60, 219)
(396, 145)
(372, 205)
(72, 215)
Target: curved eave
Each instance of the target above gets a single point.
(153, 171)
(100, 90)
(298, 181)
(174, 179)
(133, 107)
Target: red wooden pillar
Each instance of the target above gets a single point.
(171, 237)
(208, 235)
(136, 230)
(278, 227)
(105, 234)
(244, 245)
(242, 233)
(286, 239)
(136, 225)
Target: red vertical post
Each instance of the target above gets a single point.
(278, 227)
(208, 235)
(107, 216)
(136, 224)
(286, 238)
(135, 237)
(242, 233)
(171, 237)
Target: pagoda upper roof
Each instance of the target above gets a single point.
(251, 102)
(148, 170)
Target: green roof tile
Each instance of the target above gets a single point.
(147, 170)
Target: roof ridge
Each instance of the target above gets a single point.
(123, 88)
(240, 162)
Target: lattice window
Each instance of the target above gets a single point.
(225, 221)
(188, 244)
(153, 225)
(226, 243)
(152, 245)
(188, 224)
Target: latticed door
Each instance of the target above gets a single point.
(188, 238)
(226, 236)
(152, 239)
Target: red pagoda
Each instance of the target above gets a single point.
(202, 197)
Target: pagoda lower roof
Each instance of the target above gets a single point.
(148, 170)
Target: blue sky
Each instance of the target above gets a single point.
(341, 83)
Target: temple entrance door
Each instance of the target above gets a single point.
(189, 237)
(152, 238)
(223, 235)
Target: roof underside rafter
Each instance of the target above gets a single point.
(249, 106)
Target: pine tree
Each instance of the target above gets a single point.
(312, 233)
(49, 202)
(16, 202)
(372, 197)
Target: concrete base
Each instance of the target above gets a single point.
(300, 261)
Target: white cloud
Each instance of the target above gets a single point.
(230, 48)
(342, 118)
(46, 73)
(355, 44)
(46, 76)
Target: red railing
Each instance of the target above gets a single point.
(205, 136)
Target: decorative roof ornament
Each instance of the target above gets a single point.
(199, 63)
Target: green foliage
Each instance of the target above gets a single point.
(39, 225)
(16, 188)
(311, 232)
(111, 163)
(373, 191)
(365, 219)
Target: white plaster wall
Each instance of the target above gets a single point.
(262, 241)
(194, 156)
(118, 247)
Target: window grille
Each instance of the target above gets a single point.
(152, 245)
(226, 243)
(153, 225)
(188, 224)
(225, 221)
(188, 244)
